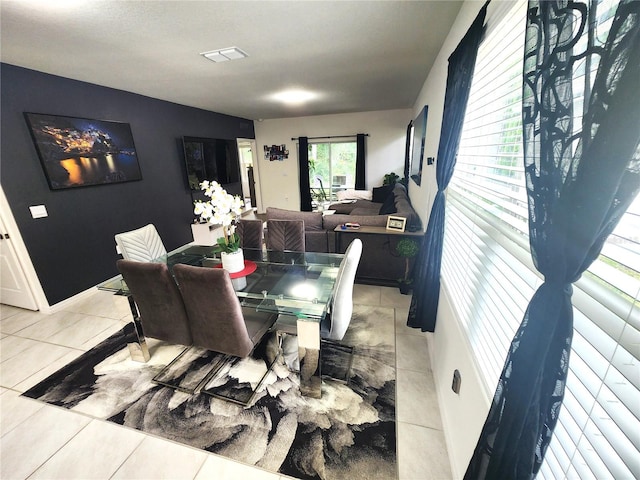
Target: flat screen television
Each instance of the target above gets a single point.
(212, 159)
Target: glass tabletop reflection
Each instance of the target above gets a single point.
(293, 283)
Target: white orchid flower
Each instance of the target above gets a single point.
(222, 209)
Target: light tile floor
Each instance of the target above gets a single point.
(43, 441)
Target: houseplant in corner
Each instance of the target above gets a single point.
(222, 209)
(406, 248)
(390, 178)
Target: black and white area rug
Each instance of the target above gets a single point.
(349, 433)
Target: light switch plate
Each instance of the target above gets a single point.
(38, 211)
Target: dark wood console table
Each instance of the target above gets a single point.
(380, 264)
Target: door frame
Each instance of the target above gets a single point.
(22, 254)
(251, 142)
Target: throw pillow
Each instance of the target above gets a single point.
(380, 194)
(389, 205)
(351, 194)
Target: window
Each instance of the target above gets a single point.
(332, 168)
(488, 273)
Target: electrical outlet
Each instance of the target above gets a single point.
(455, 385)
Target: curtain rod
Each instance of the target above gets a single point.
(334, 136)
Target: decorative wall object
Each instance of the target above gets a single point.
(396, 223)
(276, 152)
(417, 154)
(79, 152)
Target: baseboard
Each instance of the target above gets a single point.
(57, 307)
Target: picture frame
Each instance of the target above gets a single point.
(396, 224)
(80, 152)
(276, 152)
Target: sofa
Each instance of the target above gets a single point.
(379, 264)
(386, 200)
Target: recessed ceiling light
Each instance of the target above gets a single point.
(294, 96)
(224, 54)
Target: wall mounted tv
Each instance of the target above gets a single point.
(212, 159)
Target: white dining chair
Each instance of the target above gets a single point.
(337, 320)
(142, 245)
(335, 324)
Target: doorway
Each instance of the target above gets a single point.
(14, 287)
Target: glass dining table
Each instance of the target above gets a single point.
(297, 284)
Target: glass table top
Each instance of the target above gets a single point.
(292, 283)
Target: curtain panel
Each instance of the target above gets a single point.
(580, 180)
(360, 183)
(303, 180)
(426, 292)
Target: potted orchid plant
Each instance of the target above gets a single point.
(222, 209)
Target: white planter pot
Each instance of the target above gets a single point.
(233, 262)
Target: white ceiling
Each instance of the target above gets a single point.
(355, 55)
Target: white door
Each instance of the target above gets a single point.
(14, 289)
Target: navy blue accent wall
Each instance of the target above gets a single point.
(73, 248)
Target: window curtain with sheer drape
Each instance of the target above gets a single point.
(303, 168)
(360, 183)
(582, 167)
(426, 291)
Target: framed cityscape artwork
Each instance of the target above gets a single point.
(80, 152)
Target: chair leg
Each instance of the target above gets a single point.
(329, 348)
(289, 350)
(138, 350)
(191, 380)
(240, 393)
(331, 370)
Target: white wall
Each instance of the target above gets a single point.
(385, 149)
(463, 414)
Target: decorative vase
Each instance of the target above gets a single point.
(233, 262)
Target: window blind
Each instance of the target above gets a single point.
(488, 273)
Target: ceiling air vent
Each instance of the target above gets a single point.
(224, 54)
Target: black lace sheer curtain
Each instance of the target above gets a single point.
(426, 291)
(580, 181)
(303, 168)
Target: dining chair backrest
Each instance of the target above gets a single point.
(285, 235)
(251, 233)
(341, 308)
(142, 245)
(162, 312)
(216, 319)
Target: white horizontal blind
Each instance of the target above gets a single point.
(488, 272)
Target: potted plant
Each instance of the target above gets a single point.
(390, 178)
(223, 209)
(406, 248)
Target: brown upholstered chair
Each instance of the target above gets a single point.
(285, 235)
(162, 312)
(220, 324)
(216, 319)
(251, 233)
